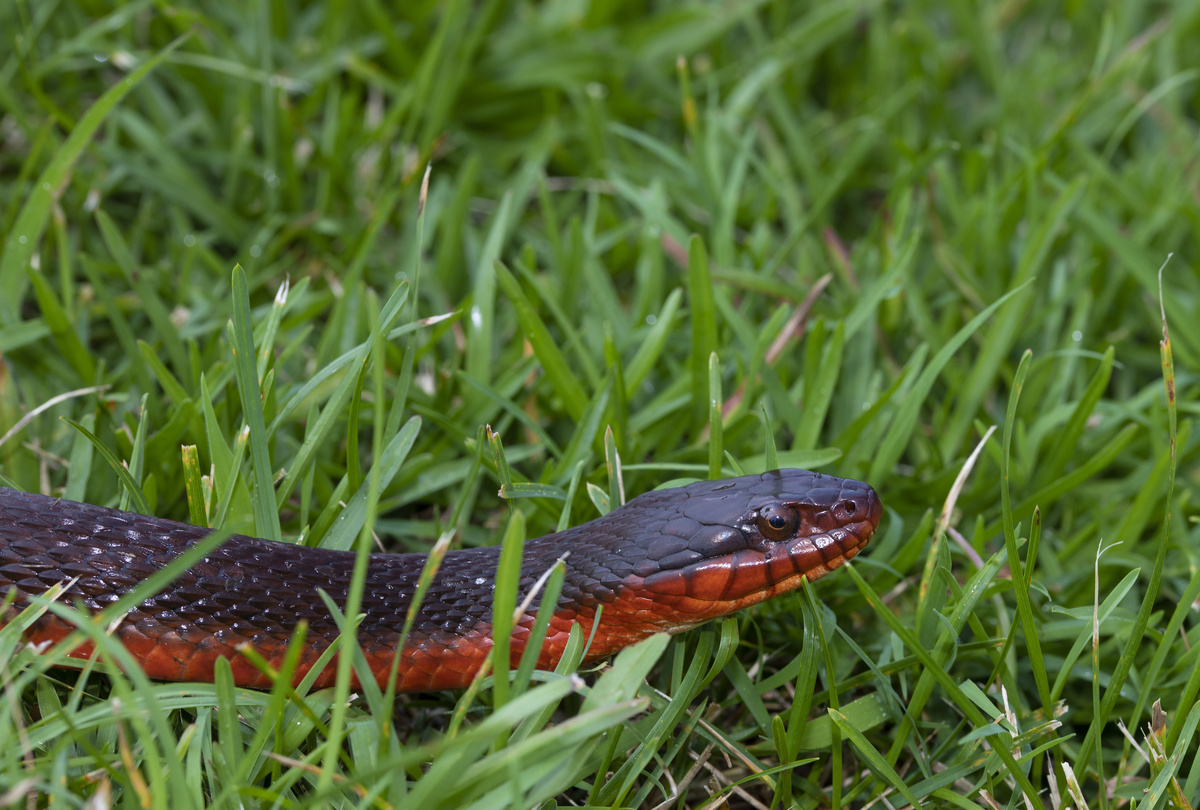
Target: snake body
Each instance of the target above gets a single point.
(665, 561)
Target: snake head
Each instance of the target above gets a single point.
(730, 544)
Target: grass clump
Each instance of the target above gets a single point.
(654, 242)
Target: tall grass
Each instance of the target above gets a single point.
(655, 241)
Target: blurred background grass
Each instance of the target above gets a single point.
(824, 195)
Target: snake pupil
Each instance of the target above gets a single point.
(777, 522)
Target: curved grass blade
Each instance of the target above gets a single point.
(27, 231)
(262, 497)
(131, 486)
(906, 418)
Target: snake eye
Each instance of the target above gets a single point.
(777, 522)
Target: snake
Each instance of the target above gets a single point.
(666, 561)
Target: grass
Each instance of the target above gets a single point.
(657, 241)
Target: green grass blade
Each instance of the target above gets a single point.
(555, 366)
(131, 488)
(1125, 662)
(704, 326)
(353, 517)
(906, 419)
(26, 233)
(1021, 592)
(537, 635)
(715, 404)
(266, 517)
(880, 766)
(508, 573)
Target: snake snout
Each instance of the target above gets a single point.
(874, 508)
(858, 515)
(857, 508)
(865, 508)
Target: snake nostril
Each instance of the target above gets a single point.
(850, 507)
